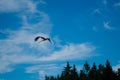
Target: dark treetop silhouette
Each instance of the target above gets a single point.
(42, 38)
(95, 72)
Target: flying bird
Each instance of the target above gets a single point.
(42, 39)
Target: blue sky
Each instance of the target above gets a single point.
(80, 30)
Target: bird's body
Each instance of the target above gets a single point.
(42, 39)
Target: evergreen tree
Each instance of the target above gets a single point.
(100, 71)
(87, 73)
(82, 75)
(47, 78)
(58, 78)
(62, 76)
(67, 72)
(74, 75)
(52, 78)
(118, 74)
(93, 74)
(108, 72)
(86, 68)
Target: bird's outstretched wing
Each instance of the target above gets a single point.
(36, 38)
(49, 40)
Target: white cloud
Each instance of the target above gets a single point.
(37, 68)
(97, 11)
(42, 23)
(70, 52)
(107, 26)
(115, 68)
(13, 5)
(46, 69)
(19, 46)
(4, 67)
(18, 5)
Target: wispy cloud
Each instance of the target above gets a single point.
(117, 4)
(97, 11)
(71, 51)
(115, 68)
(19, 46)
(41, 69)
(107, 26)
(42, 23)
(18, 6)
(5, 67)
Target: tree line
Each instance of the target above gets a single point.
(99, 72)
